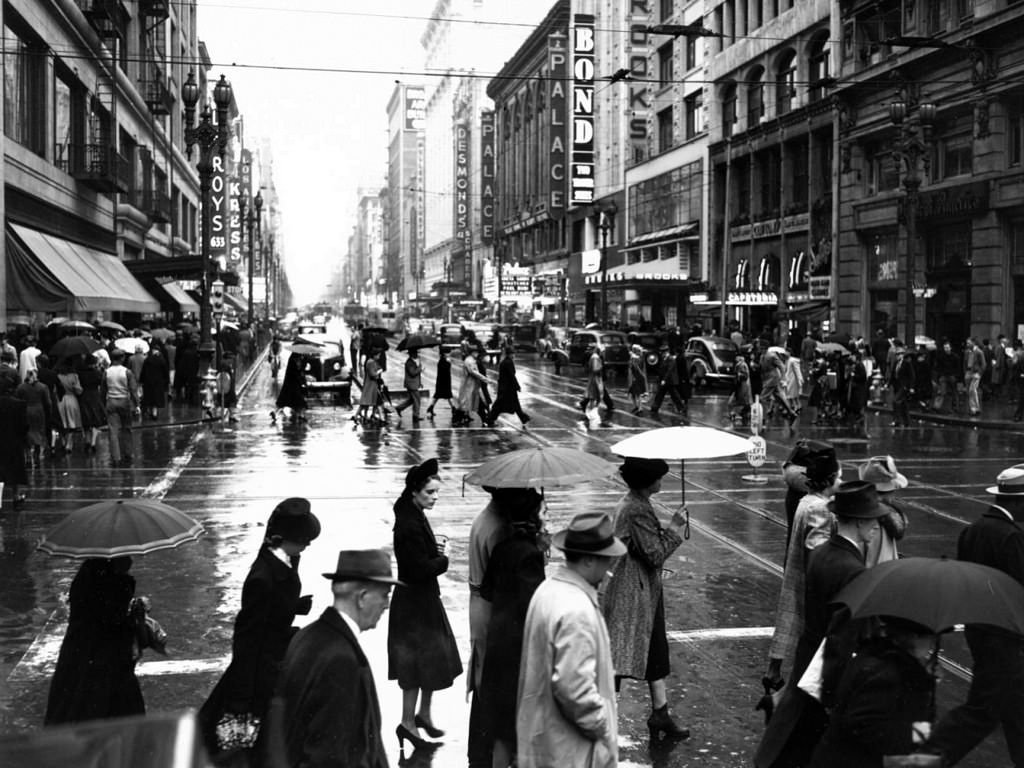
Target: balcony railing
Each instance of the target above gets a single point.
(99, 167)
(156, 94)
(107, 16)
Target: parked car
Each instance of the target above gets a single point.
(526, 335)
(651, 343)
(613, 346)
(450, 335)
(711, 360)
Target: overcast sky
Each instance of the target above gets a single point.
(328, 128)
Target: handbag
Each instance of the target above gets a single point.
(237, 731)
(148, 632)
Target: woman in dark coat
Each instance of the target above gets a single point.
(155, 381)
(263, 627)
(886, 690)
(443, 383)
(293, 389)
(95, 673)
(634, 605)
(38, 402)
(186, 371)
(90, 402)
(514, 571)
(13, 437)
(422, 655)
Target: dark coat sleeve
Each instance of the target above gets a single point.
(415, 548)
(247, 642)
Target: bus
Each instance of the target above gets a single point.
(384, 317)
(353, 314)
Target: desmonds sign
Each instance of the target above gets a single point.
(463, 228)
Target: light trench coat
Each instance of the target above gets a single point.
(472, 379)
(567, 715)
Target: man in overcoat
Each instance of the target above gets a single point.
(507, 399)
(996, 695)
(412, 382)
(326, 696)
(567, 713)
(901, 379)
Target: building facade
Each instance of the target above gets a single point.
(404, 212)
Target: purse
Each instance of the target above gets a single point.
(236, 731)
(148, 632)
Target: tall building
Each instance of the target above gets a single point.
(366, 250)
(94, 168)
(404, 206)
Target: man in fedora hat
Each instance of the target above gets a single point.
(800, 720)
(996, 695)
(567, 713)
(901, 379)
(326, 702)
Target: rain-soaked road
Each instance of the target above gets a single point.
(721, 585)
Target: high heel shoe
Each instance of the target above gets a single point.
(661, 722)
(432, 732)
(404, 734)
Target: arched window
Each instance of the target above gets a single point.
(785, 83)
(755, 96)
(819, 69)
(728, 109)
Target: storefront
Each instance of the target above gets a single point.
(644, 294)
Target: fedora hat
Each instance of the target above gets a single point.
(590, 533)
(1009, 482)
(363, 565)
(881, 470)
(858, 500)
(293, 520)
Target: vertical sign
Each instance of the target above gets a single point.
(487, 176)
(558, 66)
(581, 179)
(219, 211)
(420, 201)
(639, 86)
(241, 189)
(463, 217)
(415, 108)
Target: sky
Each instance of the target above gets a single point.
(327, 128)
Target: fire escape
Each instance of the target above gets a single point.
(153, 85)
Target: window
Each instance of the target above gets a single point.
(68, 118)
(755, 97)
(768, 170)
(882, 170)
(742, 173)
(955, 149)
(689, 52)
(785, 84)
(24, 90)
(819, 68)
(729, 109)
(694, 103)
(666, 72)
(965, 9)
(756, 19)
(665, 129)
(1015, 135)
(797, 157)
(667, 8)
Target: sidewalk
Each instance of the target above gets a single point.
(996, 413)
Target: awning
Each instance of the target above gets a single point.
(237, 302)
(94, 281)
(30, 288)
(680, 232)
(172, 297)
(808, 310)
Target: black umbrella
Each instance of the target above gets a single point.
(418, 341)
(74, 345)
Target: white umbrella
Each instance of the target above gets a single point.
(129, 343)
(682, 443)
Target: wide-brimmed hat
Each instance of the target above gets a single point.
(293, 520)
(1009, 482)
(881, 470)
(640, 473)
(590, 533)
(363, 565)
(858, 500)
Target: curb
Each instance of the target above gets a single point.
(959, 421)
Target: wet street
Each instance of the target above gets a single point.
(721, 585)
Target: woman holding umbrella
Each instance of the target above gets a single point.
(422, 654)
(634, 605)
(95, 673)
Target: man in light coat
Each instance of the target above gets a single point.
(567, 714)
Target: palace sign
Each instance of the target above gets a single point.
(557, 60)
(487, 176)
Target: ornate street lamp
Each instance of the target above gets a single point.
(209, 137)
(607, 225)
(913, 120)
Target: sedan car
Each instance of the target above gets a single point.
(612, 344)
(450, 335)
(711, 359)
(651, 343)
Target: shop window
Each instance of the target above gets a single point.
(694, 103)
(665, 129)
(666, 73)
(24, 89)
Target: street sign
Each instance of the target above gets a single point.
(756, 416)
(758, 453)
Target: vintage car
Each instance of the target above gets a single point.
(612, 344)
(450, 335)
(651, 343)
(711, 360)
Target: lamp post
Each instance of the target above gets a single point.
(913, 120)
(607, 225)
(209, 137)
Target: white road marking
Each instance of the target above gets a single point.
(720, 633)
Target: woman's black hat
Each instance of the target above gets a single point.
(640, 473)
(293, 520)
(421, 472)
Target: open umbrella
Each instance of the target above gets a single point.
(829, 347)
(119, 527)
(682, 443)
(229, 325)
(305, 349)
(77, 326)
(540, 467)
(19, 320)
(56, 321)
(937, 593)
(74, 345)
(110, 325)
(418, 341)
(163, 334)
(129, 343)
